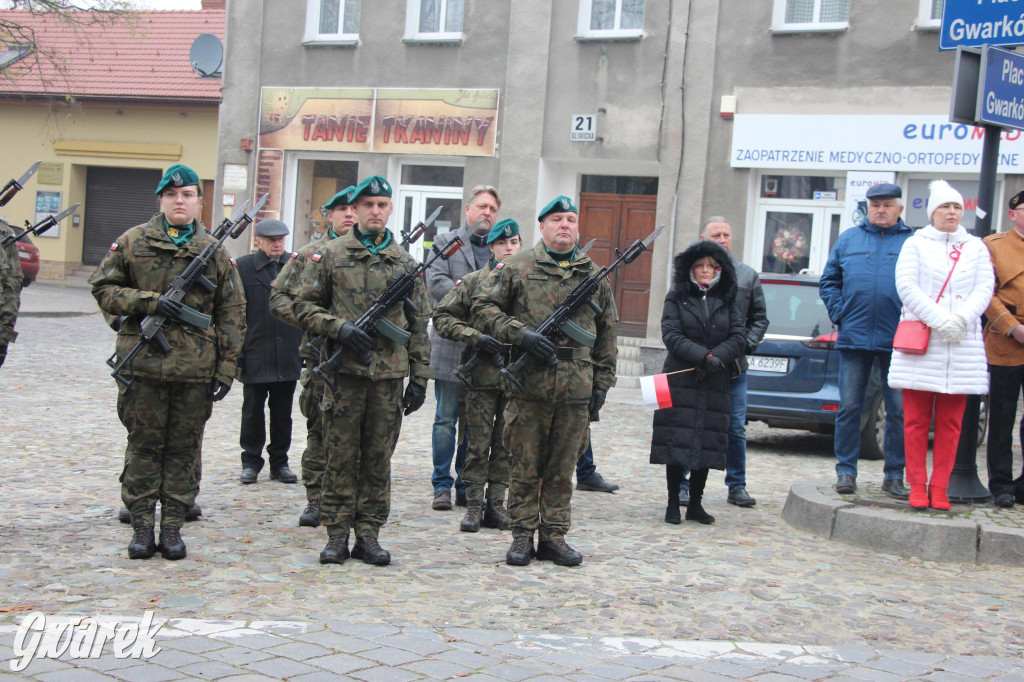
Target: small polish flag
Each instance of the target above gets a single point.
(655, 392)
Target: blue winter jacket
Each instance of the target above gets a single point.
(859, 285)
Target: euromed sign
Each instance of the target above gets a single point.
(903, 143)
(973, 23)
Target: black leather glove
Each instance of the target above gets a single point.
(699, 375)
(3, 353)
(413, 398)
(168, 307)
(355, 339)
(713, 364)
(218, 389)
(597, 399)
(538, 345)
(488, 344)
(118, 322)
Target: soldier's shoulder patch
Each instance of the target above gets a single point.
(458, 282)
(316, 257)
(295, 254)
(233, 261)
(994, 237)
(113, 246)
(500, 265)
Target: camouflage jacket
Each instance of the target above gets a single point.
(139, 267)
(294, 272)
(451, 317)
(10, 287)
(335, 283)
(521, 293)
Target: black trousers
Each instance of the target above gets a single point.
(278, 396)
(1005, 384)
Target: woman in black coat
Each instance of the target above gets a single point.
(703, 332)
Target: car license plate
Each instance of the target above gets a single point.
(767, 363)
(23, 254)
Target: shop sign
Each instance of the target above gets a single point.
(382, 120)
(898, 143)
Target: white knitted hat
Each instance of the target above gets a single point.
(942, 193)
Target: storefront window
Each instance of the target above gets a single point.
(432, 176)
(799, 187)
(916, 201)
(611, 184)
(787, 242)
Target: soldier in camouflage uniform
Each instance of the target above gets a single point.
(362, 418)
(545, 423)
(10, 291)
(342, 215)
(481, 409)
(167, 405)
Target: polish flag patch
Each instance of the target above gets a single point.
(458, 282)
(315, 257)
(499, 266)
(295, 254)
(233, 261)
(113, 246)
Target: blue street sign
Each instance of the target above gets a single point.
(981, 22)
(1001, 92)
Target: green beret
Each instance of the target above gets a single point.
(503, 230)
(179, 175)
(342, 198)
(562, 204)
(1016, 200)
(373, 186)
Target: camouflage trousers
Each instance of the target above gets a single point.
(481, 423)
(360, 426)
(165, 423)
(313, 459)
(543, 439)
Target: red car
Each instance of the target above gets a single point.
(28, 254)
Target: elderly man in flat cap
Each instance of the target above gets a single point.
(270, 360)
(858, 287)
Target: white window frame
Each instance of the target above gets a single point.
(584, 32)
(412, 26)
(779, 24)
(924, 17)
(313, 36)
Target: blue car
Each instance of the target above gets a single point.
(793, 380)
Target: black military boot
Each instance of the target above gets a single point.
(311, 514)
(471, 522)
(369, 550)
(495, 515)
(171, 546)
(336, 550)
(521, 551)
(672, 510)
(694, 510)
(559, 552)
(142, 546)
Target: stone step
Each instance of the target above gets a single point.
(630, 353)
(627, 368)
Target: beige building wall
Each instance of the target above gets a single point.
(126, 135)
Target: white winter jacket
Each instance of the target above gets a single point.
(921, 268)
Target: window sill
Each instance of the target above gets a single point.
(928, 27)
(810, 28)
(331, 42)
(433, 40)
(609, 37)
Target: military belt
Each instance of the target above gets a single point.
(572, 352)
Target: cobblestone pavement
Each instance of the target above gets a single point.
(746, 598)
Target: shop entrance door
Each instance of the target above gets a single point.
(416, 205)
(794, 238)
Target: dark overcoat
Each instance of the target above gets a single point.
(694, 432)
(271, 351)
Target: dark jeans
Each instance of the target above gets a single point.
(585, 464)
(1005, 384)
(278, 396)
(446, 415)
(855, 367)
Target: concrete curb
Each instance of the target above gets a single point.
(891, 527)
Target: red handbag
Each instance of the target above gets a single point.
(912, 336)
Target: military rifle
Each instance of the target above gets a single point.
(464, 372)
(14, 186)
(40, 227)
(559, 323)
(374, 321)
(151, 327)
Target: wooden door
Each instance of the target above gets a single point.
(616, 221)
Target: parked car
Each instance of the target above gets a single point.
(28, 254)
(793, 381)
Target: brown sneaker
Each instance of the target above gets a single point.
(442, 500)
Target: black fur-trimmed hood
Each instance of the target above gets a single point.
(684, 261)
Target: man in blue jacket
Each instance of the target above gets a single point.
(859, 290)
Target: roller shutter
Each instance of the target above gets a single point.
(116, 199)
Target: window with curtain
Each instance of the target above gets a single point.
(332, 20)
(434, 19)
(611, 18)
(810, 15)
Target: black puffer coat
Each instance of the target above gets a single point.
(694, 432)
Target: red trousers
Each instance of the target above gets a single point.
(917, 417)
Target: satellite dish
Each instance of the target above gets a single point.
(206, 55)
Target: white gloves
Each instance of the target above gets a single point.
(953, 329)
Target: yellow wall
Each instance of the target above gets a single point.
(119, 135)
